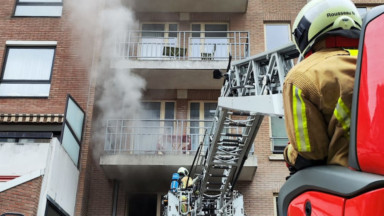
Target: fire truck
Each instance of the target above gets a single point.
(252, 89)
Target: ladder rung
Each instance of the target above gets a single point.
(232, 135)
(220, 167)
(217, 176)
(214, 183)
(232, 141)
(230, 144)
(237, 124)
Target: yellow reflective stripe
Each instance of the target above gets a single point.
(342, 114)
(300, 121)
(353, 52)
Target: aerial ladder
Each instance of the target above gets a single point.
(252, 89)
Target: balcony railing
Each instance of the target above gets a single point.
(183, 45)
(155, 136)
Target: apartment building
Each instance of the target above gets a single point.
(61, 155)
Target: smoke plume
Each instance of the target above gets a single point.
(97, 24)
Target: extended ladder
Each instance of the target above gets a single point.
(252, 89)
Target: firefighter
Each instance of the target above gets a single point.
(183, 172)
(317, 92)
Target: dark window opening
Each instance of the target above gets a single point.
(216, 30)
(142, 204)
(53, 209)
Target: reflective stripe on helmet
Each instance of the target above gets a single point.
(300, 121)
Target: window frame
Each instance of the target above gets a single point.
(202, 28)
(162, 107)
(287, 23)
(37, 3)
(72, 131)
(272, 138)
(201, 114)
(166, 29)
(26, 81)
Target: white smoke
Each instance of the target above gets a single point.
(97, 24)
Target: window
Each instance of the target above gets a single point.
(25, 137)
(39, 8)
(209, 41)
(157, 38)
(156, 111)
(73, 125)
(276, 35)
(201, 115)
(278, 135)
(152, 131)
(27, 71)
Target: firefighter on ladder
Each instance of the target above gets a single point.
(317, 92)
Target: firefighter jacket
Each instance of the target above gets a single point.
(184, 182)
(317, 97)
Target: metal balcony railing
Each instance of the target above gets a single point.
(183, 45)
(132, 136)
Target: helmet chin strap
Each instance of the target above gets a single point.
(337, 42)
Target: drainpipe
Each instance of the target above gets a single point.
(115, 197)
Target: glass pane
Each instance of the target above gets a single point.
(216, 27)
(169, 110)
(151, 110)
(197, 28)
(153, 30)
(75, 118)
(28, 64)
(277, 35)
(169, 114)
(195, 111)
(24, 90)
(278, 127)
(38, 10)
(279, 134)
(70, 145)
(172, 29)
(194, 114)
(209, 113)
(209, 110)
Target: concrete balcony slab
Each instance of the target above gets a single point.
(152, 173)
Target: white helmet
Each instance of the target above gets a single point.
(320, 18)
(183, 171)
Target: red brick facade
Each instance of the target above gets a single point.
(22, 199)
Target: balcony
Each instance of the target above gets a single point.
(156, 148)
(202, 50)
(168, 6)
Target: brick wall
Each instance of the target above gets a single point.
(69, 76)
(22, 199)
